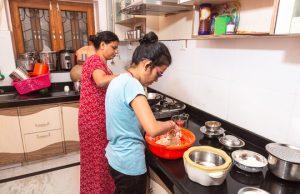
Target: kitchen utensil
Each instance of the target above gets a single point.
(212, 125)
(67, 59)
(206, 165)
(27, 60)
(248, 160)
(50, 58)
(174, 151)
(32, 84)
(284, 161)
(40, 69)
(231, 142)
(181, 120)
(76, 86)
(249, 190)
(19, 74)
(154, 98)
(75, 73)
(211, 134)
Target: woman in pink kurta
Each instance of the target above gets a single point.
(94, 173)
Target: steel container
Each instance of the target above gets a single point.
(50, 58)
(284, 161)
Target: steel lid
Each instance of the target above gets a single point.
(231, 141)
(285, 152)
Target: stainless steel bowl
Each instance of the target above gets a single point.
(208, 159)
(284, 161)
(252, 190)
(212, 125)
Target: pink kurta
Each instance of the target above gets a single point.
(94, 171)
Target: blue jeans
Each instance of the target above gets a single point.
(126, 184)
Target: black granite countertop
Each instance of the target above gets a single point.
(173, 174)
(55, 94)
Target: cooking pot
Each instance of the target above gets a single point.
(67, 59)
(50, 58)
(171, 151)
(154, 98)
(284, 161)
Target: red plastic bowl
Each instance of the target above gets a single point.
(171, 152)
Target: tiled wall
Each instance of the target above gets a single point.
(253, 83)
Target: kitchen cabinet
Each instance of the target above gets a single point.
(70, 125)
(288, 18)
(42, 133)
(50, 25)
(256, 18)
(10, 132)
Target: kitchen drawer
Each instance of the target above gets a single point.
(43, 144)
(40, 118)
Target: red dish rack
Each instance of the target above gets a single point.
(32, 84)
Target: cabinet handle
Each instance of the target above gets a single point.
(44, 135)
(42, 124)
(60, 36)
(34, 34)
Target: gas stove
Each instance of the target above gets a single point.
(167, 107)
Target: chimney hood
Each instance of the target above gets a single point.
(155, 7)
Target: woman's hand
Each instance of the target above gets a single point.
(174, 129)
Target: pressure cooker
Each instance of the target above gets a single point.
(67, 59)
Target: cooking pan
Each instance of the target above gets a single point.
(154, 98)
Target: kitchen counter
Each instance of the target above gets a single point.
(54, 95)
(173, 174)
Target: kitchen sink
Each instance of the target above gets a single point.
(7, 96)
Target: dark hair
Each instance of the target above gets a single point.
(104, 36)
(150, 48)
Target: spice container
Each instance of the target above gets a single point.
(230, 29)
(205, 19)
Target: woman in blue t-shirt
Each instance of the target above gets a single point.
(128, 112)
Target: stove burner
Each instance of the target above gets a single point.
(167, 107)
(156, 108)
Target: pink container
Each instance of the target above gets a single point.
(32, 84)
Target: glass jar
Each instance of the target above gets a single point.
(204, 19)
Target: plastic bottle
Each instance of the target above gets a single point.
(205, 19)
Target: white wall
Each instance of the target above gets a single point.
(253, 83)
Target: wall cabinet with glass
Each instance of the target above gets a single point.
(50, 25)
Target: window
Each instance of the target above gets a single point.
(51, 25)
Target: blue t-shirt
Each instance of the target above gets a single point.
(125, 151)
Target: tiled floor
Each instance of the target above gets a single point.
(58, 181)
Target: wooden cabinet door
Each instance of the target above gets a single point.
(33, 25)
(70, 126)
(11, 145)
(75, 24)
